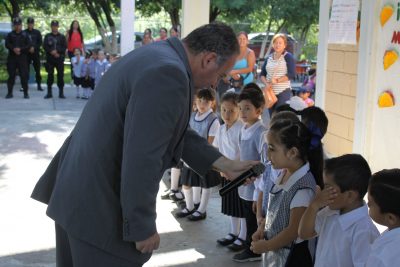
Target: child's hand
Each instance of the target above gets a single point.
(259, 246)
(259, 234)
(324, 198)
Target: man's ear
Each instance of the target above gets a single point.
(209, 59)
(392, 219)
(351, 196)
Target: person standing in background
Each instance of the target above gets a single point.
(17, 43)
(35, 38)
(74, 38)
(55, 45)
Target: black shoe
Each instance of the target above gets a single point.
(173, 196)
(39, 88)
(48, 96)
(166, 195)
(9, 95)
(183, 213)
(197, 216)
(246, 256)
(21, 89)
(235, 247)
(26, 95)
(62, 96)
(225, 241)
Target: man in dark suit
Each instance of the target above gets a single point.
(101, 186)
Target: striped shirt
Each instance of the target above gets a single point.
(284, 66)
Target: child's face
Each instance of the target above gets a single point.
(342, 202)
(375, 212)
(203, 105)
(229, 112)
(100, 56)
(277, 152)
(77, 52)
(249, 114)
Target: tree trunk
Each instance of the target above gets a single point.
(105, 6)
(14, 10)
(301, 41)
(264, 43)
(214, 12)
(174, 17)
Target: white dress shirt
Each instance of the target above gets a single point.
(385, 251)
(344, 240)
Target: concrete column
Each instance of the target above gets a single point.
(322, 56)
(195, 14)
(127, 26)
(366, 76)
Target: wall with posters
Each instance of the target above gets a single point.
(384, 92)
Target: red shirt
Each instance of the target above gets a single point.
(75, 42)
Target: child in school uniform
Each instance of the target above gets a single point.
(101, 67)
(87, 74)
(344, 229)
(197, 190)
(251, 104)
(289, 149)
(227, 141)
(383, 202)
(77, 62)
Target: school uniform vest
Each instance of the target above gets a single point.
(278, 216)
(202, 127)
(249, 150)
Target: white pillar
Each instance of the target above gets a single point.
(195, 14)
(322, 56)
(366, 76)
(127, 26)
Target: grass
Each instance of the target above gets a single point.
(67, 74)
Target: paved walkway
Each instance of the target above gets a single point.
(31, 131)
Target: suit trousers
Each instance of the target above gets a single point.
(73, 252)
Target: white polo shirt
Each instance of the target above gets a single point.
(385, 251)
(344, 240)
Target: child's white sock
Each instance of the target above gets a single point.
(188, 198)
(175, 178)
(235, 221)
(243, 231)
(196, 194)
(205, 196)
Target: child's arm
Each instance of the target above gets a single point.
(211, 139)
(284, 238)
(307, 223)
(259, 207)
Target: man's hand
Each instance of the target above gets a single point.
(17, 50)
(148, 245)
(323, 198)
(32, 50)
(232, 168)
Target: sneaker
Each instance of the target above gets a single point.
(246, 256)
(9, 95)
(26, 95)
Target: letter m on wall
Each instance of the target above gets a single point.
(396, 38)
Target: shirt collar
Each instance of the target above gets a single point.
(348, 219)
(247, 133)
(297, 175)
(201, 117)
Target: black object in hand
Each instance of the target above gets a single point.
(255, 171)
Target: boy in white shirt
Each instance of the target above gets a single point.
(344, 229)
(383, 202)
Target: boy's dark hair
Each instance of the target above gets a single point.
(295, 134)
(230, 97)
(206, 93)
(284, 115)
(285, 107)
(384, 187)
(316, 116)
(254, 94)
(350, 172)
(215, 37)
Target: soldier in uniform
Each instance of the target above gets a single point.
(55, 46)
(35, 38)
(17, 43)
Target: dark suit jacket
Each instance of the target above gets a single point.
(101, 186)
